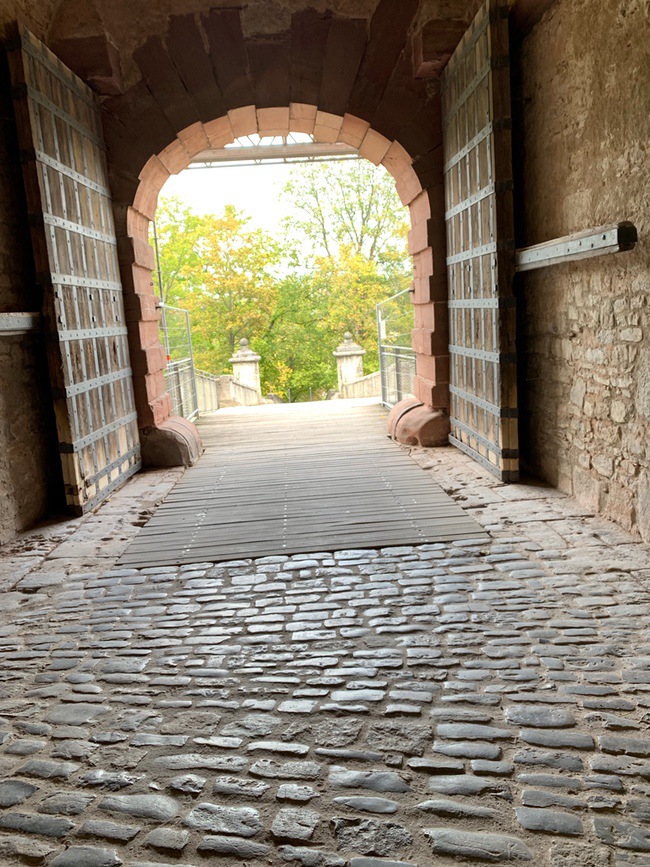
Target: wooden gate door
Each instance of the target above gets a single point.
(480, 243)
(75, 252)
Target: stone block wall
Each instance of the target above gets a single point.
(582, 92)
(366, 386)
(30, 472)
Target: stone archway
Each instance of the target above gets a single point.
(325, 127)
(208, 78)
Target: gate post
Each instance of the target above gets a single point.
(424, 419)
(246, 367)
(349, 361)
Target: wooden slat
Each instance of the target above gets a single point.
(73, 236)
(480, 243)
(287, 480)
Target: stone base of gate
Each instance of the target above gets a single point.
(175, 442)
(412, 423)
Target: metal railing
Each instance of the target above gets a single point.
(180, 376)
(396, 354)
(207, 390)
(397, 373)
(181, 387)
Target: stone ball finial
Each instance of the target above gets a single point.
(244, 354)
(349, 347)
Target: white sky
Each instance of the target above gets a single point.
(255, 190)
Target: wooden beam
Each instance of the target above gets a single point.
(582, 245)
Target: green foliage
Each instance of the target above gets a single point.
(222, 273)
(342, 251)
(351, 285)
(348, 204)
(297, 348)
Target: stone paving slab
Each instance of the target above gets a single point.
(475, 702)
(45, 555)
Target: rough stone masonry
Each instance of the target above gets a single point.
(584, 336)
(442, 704)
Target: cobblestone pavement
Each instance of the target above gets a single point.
(435, 705)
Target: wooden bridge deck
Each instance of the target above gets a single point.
(281, 479)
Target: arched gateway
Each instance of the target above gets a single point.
(207, 78)
(155, 414)
(165, 70)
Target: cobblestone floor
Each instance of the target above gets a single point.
(463, 703)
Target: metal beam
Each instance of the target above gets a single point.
(255, 153)
(582, 245)
(19, 323)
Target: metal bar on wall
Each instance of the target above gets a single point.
(19, 323)
(616, 238)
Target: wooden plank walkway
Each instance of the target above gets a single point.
(281, 479)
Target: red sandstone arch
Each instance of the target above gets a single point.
(431, 365)
(208, 78)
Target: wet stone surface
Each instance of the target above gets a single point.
(482, 701)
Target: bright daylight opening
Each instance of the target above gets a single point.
(283, 273)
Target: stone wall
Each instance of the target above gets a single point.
(582, 91)
(29, 466)
(29, 470)
(366, 386)
(35, 14)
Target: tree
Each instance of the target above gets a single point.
(342, 251)
(313, 312)
(222, 273)
(351, 204)
(353, 226)
(297, 348)
(179, 233)
(353, 286)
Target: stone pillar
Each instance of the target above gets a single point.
(349, 360)
(246, 367)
